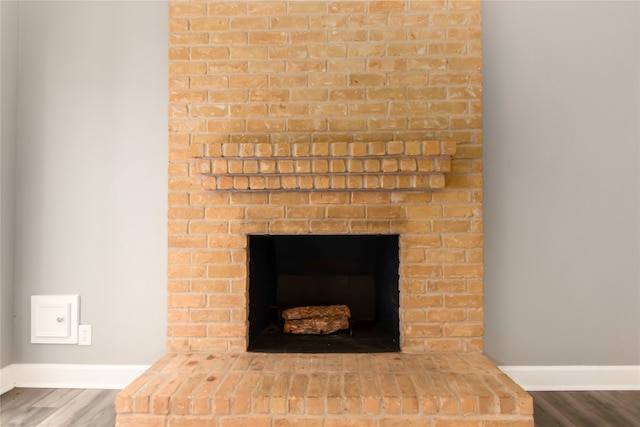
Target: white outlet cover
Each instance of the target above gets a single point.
(54, 319)
(84, 335)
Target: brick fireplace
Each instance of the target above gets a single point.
(304, 118)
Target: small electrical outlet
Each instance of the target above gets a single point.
(84, 335)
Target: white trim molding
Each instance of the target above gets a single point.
(570, 378)
(41, 375)
(531, 378)
(7, 378)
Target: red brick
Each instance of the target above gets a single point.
(140, 421)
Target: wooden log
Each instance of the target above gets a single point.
(316, 311)
(316, 325)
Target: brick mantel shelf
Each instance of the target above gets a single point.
(330, 166)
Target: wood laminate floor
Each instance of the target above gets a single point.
(31, 407)
(39, 407)
(586, 408)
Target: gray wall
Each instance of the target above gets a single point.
(561, 156)
(562, 186)
(9, 19)
(91, 175)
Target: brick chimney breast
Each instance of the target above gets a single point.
(325, 118)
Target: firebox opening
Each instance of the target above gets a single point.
(360, 271)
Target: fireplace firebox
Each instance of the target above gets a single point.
(360, 271)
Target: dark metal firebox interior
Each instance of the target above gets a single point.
(360, 271)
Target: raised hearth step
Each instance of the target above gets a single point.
(323, 390)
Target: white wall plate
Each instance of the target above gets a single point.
(54, 319)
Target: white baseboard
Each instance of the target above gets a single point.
(569, 378)
(531, 378)
(7, 378)
(41, 375)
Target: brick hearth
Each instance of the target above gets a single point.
(307, 117)
(323, 390)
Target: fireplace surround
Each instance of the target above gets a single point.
(292, 119)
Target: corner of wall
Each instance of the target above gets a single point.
(9, 17)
